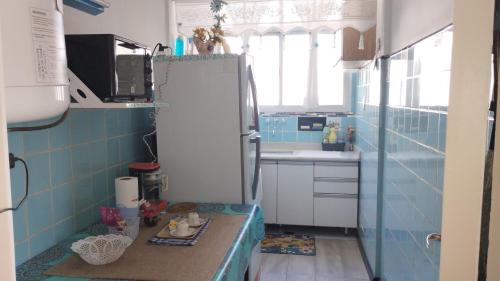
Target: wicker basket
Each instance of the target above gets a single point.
(102, 249)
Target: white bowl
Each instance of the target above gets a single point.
(102, 249)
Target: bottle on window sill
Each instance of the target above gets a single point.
(179, 46)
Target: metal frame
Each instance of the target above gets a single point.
(92, 101)
(345, 107)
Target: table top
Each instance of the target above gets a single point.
(232, 267)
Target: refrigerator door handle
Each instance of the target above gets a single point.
(251, 80)
(256, 175)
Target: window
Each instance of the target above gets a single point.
(296, 71)
(296, 51)
(265, 52)
(330, 70)
(236, 44)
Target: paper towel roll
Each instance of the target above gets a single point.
(127, 192)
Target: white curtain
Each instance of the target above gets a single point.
(261, 16)
(311, 99)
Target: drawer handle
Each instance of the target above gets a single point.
(341, 164)
(318, 179)
(335, 195)
(295, 163)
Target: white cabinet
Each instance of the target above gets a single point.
(295, 193)
(340, 170)
(335, 210)
(336, 194)
(310, 193)
(269, 190)
(340, 186)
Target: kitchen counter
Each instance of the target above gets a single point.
(310, 155)
(232, 267)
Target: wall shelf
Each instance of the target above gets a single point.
(117, 105)
(90, 100)
(93, 7)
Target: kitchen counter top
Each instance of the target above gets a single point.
(232, 266)
(310, 155)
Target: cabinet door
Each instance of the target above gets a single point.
(335, 210)
(350, 48)
(295, 193)
(269, 190)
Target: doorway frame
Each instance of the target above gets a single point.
(7, 258)
(466, 141)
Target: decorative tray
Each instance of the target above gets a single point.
(169, 230)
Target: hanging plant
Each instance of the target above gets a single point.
(217, 5)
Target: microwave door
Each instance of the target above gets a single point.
(130, 70)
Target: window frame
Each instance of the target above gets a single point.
(345, 107)
(347, 78)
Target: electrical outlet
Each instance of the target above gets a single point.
(12, 161)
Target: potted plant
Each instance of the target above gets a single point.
(205, 39)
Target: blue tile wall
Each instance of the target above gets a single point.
(412, 102)
(415, 136)
(284, 128)
(367, 112)
(72, 169)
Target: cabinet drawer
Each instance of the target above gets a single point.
(336, 170)
(326, 185)
(336, 211)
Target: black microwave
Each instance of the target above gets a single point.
(114, 68)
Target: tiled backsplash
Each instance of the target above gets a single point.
(72, 169)
(284, 128)
(368, 111)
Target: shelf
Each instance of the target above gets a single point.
(90, 100)
(93, 7)
(117, 105)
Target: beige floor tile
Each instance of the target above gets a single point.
(275, 264)
(301, 265)
(329, 258)
(352, 262)
(332, 278)
(300, 277)
(339, 258)
(273, 277)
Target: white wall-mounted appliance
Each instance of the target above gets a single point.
(34, 57)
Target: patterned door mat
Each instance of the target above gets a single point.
(293, 244)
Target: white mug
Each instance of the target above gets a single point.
(182, 229)
(193, 219)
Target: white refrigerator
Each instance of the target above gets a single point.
(208, 136)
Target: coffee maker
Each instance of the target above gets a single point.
(151, 182)
(150, 178)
